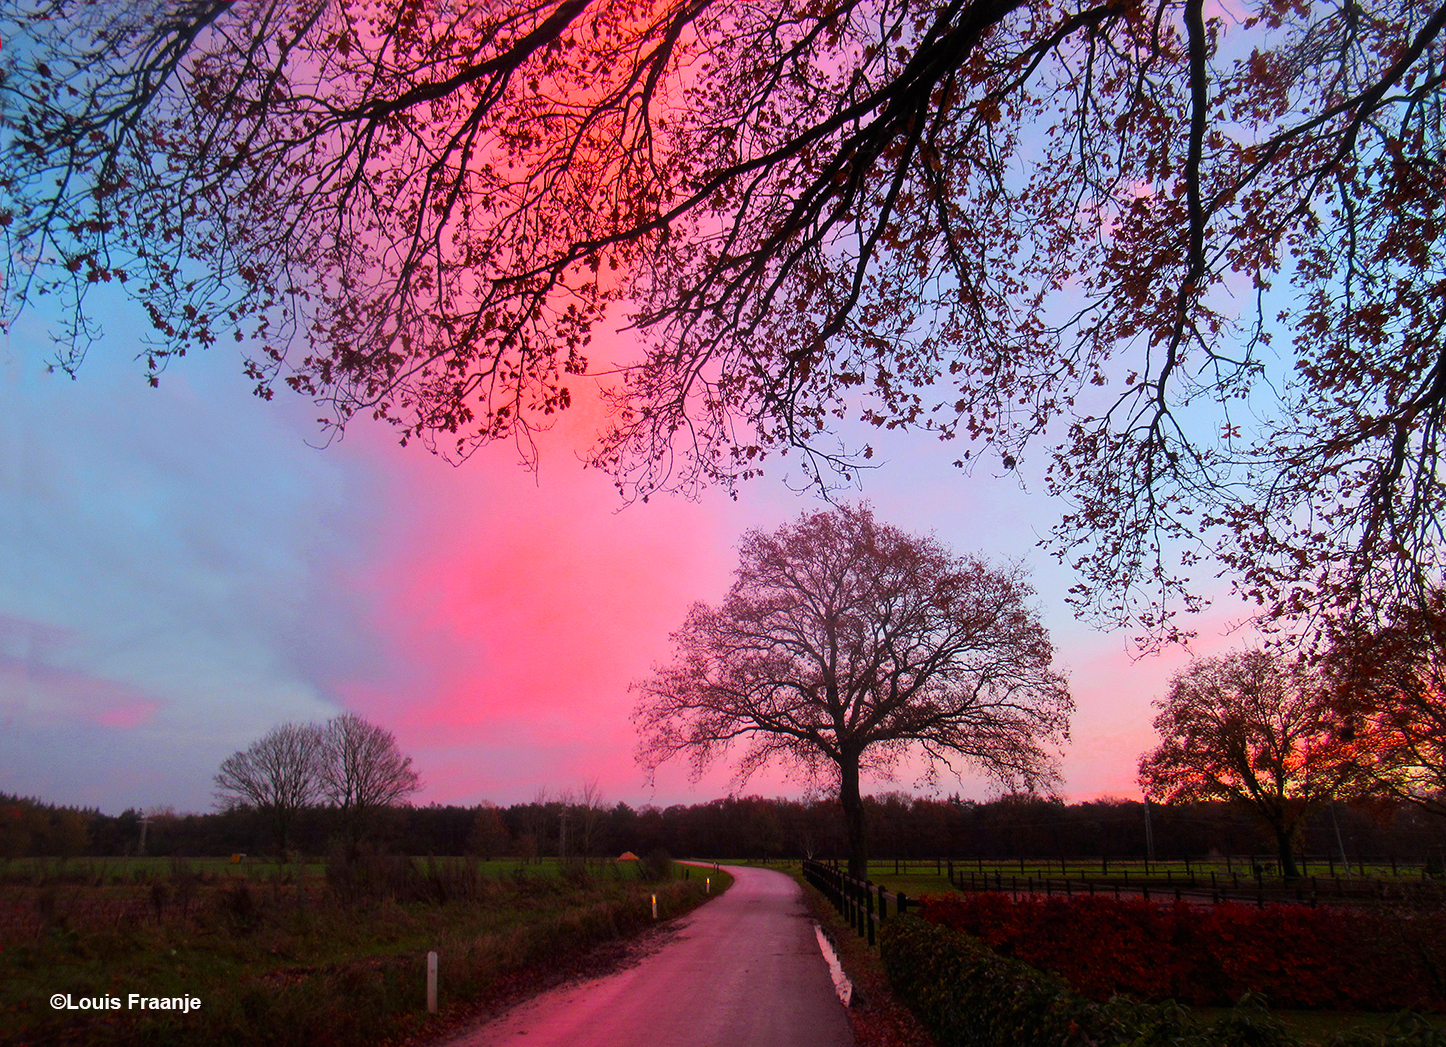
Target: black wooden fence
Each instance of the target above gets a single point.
(1200, 887)
(863, 903)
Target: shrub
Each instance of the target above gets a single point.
(657, 866)
(1294, 955)
(967, 995)
(239, 908)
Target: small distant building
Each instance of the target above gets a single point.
(627, 856)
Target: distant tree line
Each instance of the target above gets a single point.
(579, 827)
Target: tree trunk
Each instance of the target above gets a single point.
(281, 830)
(1287, 856)
(854, 822)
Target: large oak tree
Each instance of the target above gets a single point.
(844, 645)
(1197, 250)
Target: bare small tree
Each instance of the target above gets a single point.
(363, 771)
(278, 774)
(1254, 729)
(534, 820)
(843, 645)
(592, 816)
(488, 836)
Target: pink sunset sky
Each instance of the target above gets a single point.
(182, 569)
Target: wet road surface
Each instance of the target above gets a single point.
(741, 971)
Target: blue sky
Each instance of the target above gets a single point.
(183, 568)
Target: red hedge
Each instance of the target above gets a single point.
(1297, 956)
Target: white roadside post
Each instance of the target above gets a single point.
(431, 983)
(655, 906)
(708, 885)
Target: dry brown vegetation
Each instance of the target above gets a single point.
(299, 954)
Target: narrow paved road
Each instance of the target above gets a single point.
(742, 971)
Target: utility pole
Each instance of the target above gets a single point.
(1339, 842)
(1149, 833)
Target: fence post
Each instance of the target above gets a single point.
(431, 983)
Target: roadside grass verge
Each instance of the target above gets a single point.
(878, 1016)
(304, 954)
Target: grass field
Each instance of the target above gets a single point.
(297, 954)
(913, 878)
(917, 878)
(257, 869)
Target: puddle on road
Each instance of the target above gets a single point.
(841, 983)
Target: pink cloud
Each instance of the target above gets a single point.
(127, 714)
(515, 610)
(36, 687)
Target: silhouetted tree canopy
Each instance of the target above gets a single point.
(844, 645)
(362, 771)
(1189, 256)
(1390, 694)
(1256, 729)
(277, 775)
